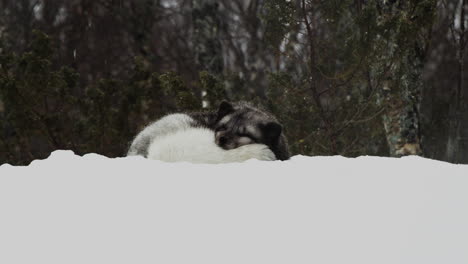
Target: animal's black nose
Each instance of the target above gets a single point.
(222, 140)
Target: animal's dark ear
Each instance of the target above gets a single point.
(272, 131)
(224, 109)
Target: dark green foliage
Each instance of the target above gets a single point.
(310, 134)
(184, 97)
(38, 103)
(45, 109)
(278, 18)
(213, 87)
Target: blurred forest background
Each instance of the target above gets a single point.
(345, 77)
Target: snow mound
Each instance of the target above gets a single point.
(92, 209)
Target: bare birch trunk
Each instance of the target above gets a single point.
(456, 142)
(398, 77)
(206, 39)
(207, 44)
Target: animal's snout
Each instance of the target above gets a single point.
(223, 140)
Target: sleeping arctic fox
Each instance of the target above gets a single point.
(235, 132)
(179, 137)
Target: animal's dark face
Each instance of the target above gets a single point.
(242, 125)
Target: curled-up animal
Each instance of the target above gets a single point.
(234, 133)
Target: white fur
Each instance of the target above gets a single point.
(166, 125)
(197, 145)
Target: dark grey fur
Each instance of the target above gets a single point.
(241, 123)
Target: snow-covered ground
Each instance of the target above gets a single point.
(91, 209)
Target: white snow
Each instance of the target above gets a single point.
(91, 209)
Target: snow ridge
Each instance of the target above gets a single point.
(92, 209)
